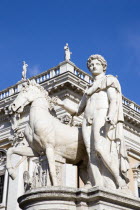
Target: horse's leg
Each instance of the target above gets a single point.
(51, 161)
(22, 151)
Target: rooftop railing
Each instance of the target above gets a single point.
(39, 79)
(83, 75)
(55, 72)
(130, 104)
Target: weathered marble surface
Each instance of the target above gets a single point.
(60, 198)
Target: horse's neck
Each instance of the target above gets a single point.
(38, 111)
(41, 103)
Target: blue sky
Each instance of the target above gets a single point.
(37, 30)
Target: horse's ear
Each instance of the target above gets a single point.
(28, 82)
(23, 85)
(33, 82)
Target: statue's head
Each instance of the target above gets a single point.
(99, 58)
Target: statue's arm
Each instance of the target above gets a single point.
(71, 110)
(90, 91)
(82, 104)
(112, 96)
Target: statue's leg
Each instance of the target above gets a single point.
(51, 161)
(86, 131)
(83, 173)
(92, 166)
(95, 170)
(103, 147)
(22, 151)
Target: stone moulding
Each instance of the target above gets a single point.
(76, 199)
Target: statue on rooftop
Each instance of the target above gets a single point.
(67, 52)
(24, 70)
(102, 125)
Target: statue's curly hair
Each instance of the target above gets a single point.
(98, 57)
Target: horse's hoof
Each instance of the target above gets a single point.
(88, 185)
(121, 183)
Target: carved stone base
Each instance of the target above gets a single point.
(62, 198)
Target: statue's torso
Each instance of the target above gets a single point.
(96, 102)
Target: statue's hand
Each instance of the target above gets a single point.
(87, 92)
(109, 120)
(57, 101)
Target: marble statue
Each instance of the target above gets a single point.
(97, 147)
(67, 52)
(45, 134)
(24, 70)
(102, 126)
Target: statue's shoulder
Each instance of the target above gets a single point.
(112, 81)
(109, 76)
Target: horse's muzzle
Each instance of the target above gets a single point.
(15, 109)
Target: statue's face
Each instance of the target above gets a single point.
(96, 67)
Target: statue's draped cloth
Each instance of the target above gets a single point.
(115, 132)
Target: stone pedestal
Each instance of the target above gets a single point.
(62, 198)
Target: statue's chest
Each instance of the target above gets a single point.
(96, 102)
(99, 96)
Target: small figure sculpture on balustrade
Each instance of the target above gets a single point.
(67, 52)
(24, 70)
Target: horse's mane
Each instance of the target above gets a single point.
(45, 92)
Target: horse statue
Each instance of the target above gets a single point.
(46, 135)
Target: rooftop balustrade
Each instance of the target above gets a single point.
(130, 104)
(57, 71)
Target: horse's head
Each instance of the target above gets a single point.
(30, 91)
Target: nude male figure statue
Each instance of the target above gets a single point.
(102, 125)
